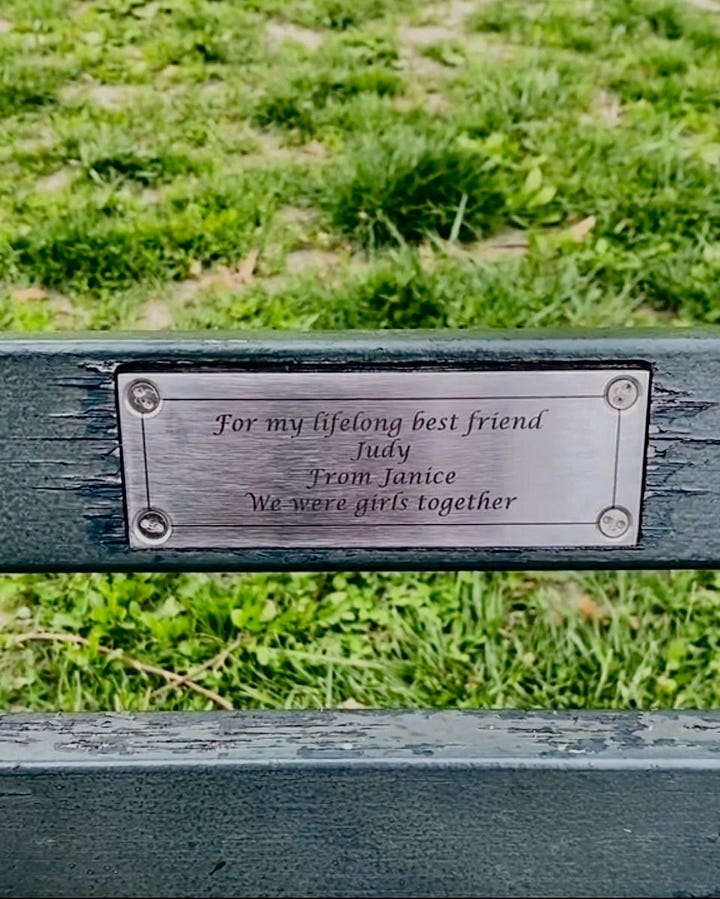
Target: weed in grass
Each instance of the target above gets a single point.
(363, 63)
(113, 245)
(338, 15)
(145, 170)
(296, 105)
(406, 185)
(27, 88)
(599, 26)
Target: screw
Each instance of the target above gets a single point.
(143, 397)
(621, 393)
(613, 522)
(153, 526)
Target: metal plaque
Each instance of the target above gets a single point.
(383, 459)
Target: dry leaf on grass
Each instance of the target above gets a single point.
(353, 705)
(580, 230)
(513, 242)
(588, 608)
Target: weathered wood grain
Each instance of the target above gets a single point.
(61, 502)
(360, 804)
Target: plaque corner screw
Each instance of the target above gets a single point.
(622, 393)
(613, 522)
(153, 526)
(143, 397)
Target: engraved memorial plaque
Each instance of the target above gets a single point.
(228, 459)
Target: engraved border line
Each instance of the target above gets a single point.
(369, 399)
(398, 524)
(145, 463)
(617, 457)
(374, 399)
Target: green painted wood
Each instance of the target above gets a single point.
(400, 804)
(360, 804)
(61, 503)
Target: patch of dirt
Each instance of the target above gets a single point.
(424, 35)
(32, 294)
(303, 260)
(423, 67)
(6, 26)
(53, 182)
(150, 196)
(243, 273)
(508, 244)
(279, 33)
(64, 312)
(113, 96)
(213, 89)
(431, 101)
(606, 110)
(271, 149)
(313, 260)
(61, 306)
(445, 23)
(453, 13)
(36, 143)
(314, 149)
(158, 312)
(321, 261)
(501, 246)
(708, 5)
(302, 217)
(157, 316)
(105, 96)
(497, 49)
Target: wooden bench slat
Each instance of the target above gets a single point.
(61, 493)
(360, 804)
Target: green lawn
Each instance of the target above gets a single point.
(298, 164)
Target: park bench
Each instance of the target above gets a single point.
(234, 453)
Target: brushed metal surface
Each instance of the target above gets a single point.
(225, 459)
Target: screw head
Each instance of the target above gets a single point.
(143, 397)
(622, 393)
(153, 526)
(613, 522)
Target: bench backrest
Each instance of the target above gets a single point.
(62, 485)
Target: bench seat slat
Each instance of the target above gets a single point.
(360, 804)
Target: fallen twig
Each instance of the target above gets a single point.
(214, 662)
(176, 680)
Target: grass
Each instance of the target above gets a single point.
(369, 164)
